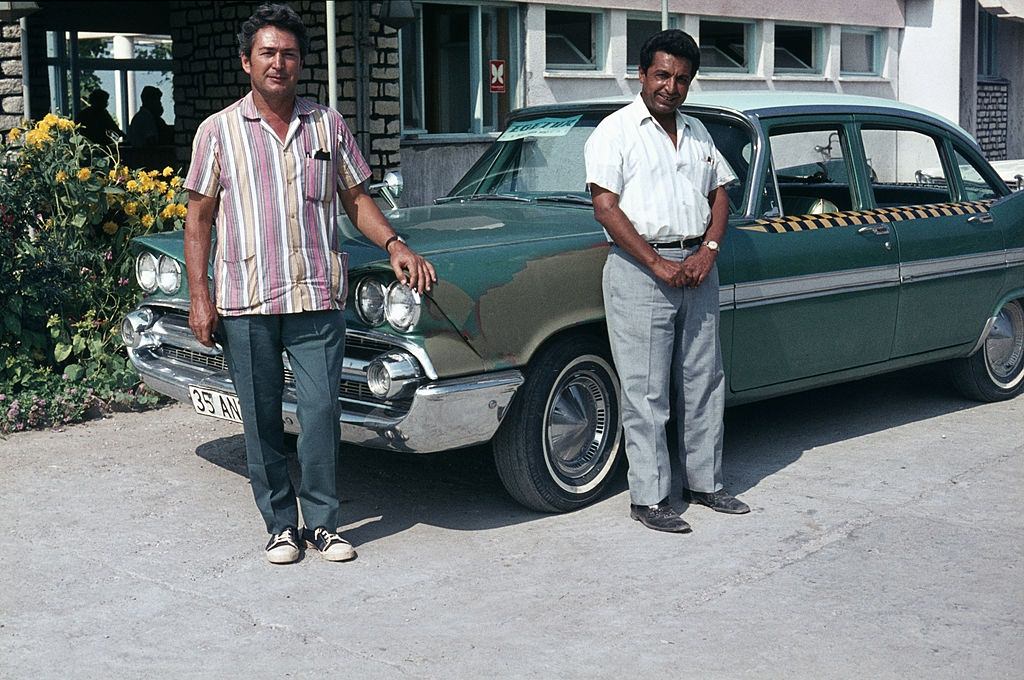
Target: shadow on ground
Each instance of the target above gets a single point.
(386, 492)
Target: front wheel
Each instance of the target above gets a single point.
(996, 371)
(558, 445)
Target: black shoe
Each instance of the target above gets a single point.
(660, 517)
(719, 501)
(283, 547)
(330, 545)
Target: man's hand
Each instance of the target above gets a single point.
(410, 268)
(202, 319)
(696, 267)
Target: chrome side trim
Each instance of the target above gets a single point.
(727, 297)
(1014, 256)
(952, 266)
(815, 285)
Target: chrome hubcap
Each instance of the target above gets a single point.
(1004, 347)
(577, 425)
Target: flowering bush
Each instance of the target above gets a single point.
(68, 211)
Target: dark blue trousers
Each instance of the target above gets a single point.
(315, 343)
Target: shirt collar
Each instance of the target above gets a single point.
(303, 107)
(638, 113)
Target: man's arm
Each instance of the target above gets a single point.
(622, 231)
(697, 266)
(409, 267)
(202, 316)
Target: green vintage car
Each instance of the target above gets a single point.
(844, 258)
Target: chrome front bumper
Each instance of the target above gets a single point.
(444, 414)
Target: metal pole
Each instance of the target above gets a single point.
(26, 105)
(332, 57)
(664, 14)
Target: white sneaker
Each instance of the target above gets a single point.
(329, 544)
(283, 548)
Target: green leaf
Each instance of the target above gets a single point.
(61, 351)
(78, 220)
(74, 372)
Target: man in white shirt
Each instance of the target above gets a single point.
(657, 183)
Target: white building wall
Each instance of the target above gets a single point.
(929, 57)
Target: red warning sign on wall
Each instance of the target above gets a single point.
(497, 71)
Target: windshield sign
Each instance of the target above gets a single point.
(541, 127)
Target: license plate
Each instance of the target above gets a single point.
(216, 404)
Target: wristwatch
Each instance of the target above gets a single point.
(396, 237)
(711, 245)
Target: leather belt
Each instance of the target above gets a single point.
(687, 243)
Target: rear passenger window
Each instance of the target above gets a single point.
(905, 167)
(812, 170)
(976, 188)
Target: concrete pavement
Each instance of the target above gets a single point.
(885, 542)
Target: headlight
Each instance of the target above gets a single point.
(135, 324)
(146, 271)
(168, 275)
(402, 306)
(370, 301)
(393, 374)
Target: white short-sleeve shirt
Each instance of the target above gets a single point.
(662, 190)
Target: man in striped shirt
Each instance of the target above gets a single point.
(270, 167)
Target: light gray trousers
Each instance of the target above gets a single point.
(665, 341)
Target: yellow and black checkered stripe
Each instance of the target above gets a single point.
(855, 218)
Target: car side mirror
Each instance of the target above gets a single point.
(389, 189)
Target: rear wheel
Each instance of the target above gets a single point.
(558, 445)
(996, 371)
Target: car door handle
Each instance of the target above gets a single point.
(980, 218)
(877, 229)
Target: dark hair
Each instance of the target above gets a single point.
(151, 94)
(672, 41)
(99, 97)
(279, 16)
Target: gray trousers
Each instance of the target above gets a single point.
(315, 343)
(663, 340)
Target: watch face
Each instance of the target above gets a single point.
(712, 245)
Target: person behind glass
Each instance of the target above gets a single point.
(96, 123)
(272, 168)
(148, 128)
(657, 183)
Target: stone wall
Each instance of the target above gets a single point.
(993, 99)
(208, 75)
(12, 107)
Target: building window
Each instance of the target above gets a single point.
(122, 65)
(797, 49)
(640, 27)
(726, 45)
(574, 40)
(988, 64)
(446, 68)
(860, 52)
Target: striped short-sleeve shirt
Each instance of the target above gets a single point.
(277, 248)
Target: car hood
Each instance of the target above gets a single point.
(437, 231)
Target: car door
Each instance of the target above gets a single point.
(816, 287)
(950, 250)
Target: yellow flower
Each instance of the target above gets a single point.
(14, 135)
(84, 174)
(110, 228)
(131, 207)
(170, 195)
(181, 210)
(60, 177)
(176, 182)
(49, 120)
(168, 212)
(168, 171)
(65, 124)
(147, 221)
(132, 185)
(37, 137)
(161, 186)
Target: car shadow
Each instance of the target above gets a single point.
(384, 493)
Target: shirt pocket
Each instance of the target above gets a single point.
(339, 277)
(319, 179)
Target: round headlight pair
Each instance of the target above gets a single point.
(152, 273)
(399, 304)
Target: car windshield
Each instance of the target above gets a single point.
(540, 158)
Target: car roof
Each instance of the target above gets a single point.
(764, 103)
